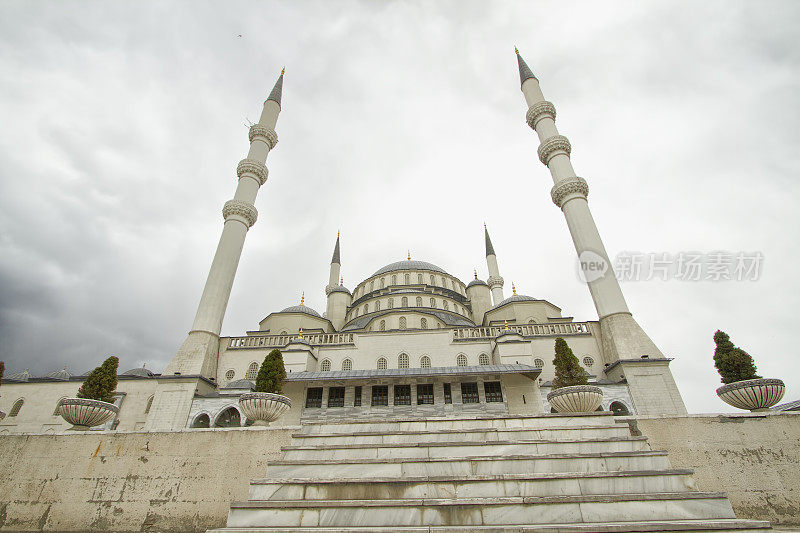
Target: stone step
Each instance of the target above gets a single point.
(472, 434)
(543, 421)
(481, 511)
(474, 486)
(650, 526)
(476, 465)
(462, 449)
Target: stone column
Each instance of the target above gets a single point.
(622, 337)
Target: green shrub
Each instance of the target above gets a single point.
(568, 370)
(101, 382)
(271, 374)
(2, 370)
(733, 364)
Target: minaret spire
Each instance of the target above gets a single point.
(495, 281)
(623, 340)
(277, 90)
(197, 357)
(525, 72)
(336, 266)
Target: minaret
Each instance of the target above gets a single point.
(623, 340)
(495, 281)
(198, 355)
(336, 266)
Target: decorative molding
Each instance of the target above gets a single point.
(247, 212)
(551, 146)
(495, 281)
(257, 131)
(568, 187)
(538, 111)
(254, 167)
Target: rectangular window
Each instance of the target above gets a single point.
(357, 398)
(425, 394)
(469, 393)
(493, 391)
(448, 395)
(380, 395)
(314, 397)
(402, 394)
(336, 397)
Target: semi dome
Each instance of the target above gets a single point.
(240, 384)
(140, 372)
(477, 281)
(341, 288)
(301, 309)
(409, 265)
(61, 375)
(517, 298)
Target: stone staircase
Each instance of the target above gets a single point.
(548, 473)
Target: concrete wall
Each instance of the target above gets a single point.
(755, 458)
(178, 481)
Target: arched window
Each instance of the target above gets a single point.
(366, 308)
(230, 374)
(402, 322)
(423, 323)
(420, 279)
(16, 407)
(425, 362)
(252, 371)
(383, 325)
(538, 363)
(588, 361)
(445, 306)
(229, 418)
(391, 303)
(383, 282)
(149, 405)
(433, 303)
(372, 285)
(394, 279)
(483, 359)
(619, 409)
(461, 360)
(419, 301)
(382, 363)
(404, 302)
(378, 305)
(202, 421)
(408, 279)
(325, 365)
(433, 280)
(347, 364)
(57, 410)
(402, 361)
(531, 321)
(284, 332)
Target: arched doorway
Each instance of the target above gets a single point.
(229, 418)
(201, 421)
(619, 409)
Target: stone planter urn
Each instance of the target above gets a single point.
(753, 394)
(263, 407)
(576, 399)
(83, 413)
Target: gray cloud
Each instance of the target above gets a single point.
(403, 126)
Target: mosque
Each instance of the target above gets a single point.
(411, 340)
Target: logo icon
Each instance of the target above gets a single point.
(591, 266)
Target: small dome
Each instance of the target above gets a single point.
(240, 384)
(341, 288)
(19, 376)
(477, 281)
(301, 309)
(409, 265)
(61, 375)
(298, 340)
(517, 298)
(141, 372)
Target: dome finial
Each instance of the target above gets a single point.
(341, 280)
(301, 333)
(409, 255)
(513, 288)
(516, 51)
(475, 270)
(303, 298)
(505, 324)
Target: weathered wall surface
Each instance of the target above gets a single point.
(179, 481)
(755, 458)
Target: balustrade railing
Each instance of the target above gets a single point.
(265, 341)
(526, 330)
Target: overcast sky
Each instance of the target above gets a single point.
(403, 126)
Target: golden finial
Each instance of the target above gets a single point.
(513, 288)
(283, 70)
(516, 51)
(338, 232)
(484, 225)
(341, 280)
(475, 270)
(301, 333)
(303, 298)
(505, 322)
(409, 255)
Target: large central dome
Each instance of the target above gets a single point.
(409, 265)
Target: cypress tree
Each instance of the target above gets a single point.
(568, 370)
(2, 370)
(732, 363)
(271, 374)
(101, 382)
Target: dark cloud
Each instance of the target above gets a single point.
(403, 126)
